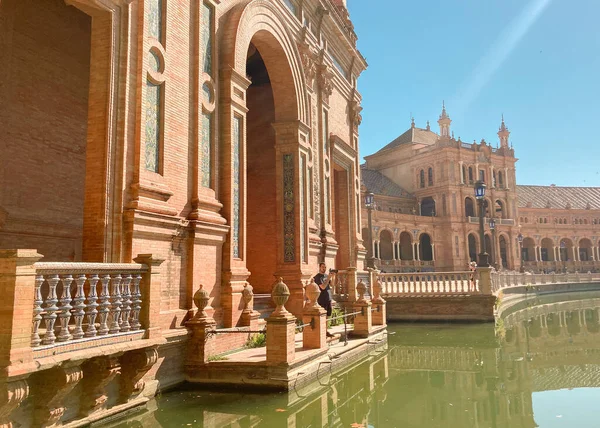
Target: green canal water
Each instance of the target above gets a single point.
(539, 365)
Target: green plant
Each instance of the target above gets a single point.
(257, 340)
(217, 358)
(335, 312)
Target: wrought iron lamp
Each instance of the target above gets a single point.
(480, 195)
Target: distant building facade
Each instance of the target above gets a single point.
(426, 216)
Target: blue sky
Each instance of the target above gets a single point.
(536, 61)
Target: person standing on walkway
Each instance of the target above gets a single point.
(323, 281)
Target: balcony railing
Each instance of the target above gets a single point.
(79, 302)
(486, 220)
(431, 283)
(502, 280)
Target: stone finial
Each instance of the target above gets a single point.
(280, 295)
(248, 296)
(361, 289)
(312, 292)
(377, 291)
(201, 298)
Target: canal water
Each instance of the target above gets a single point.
(539, 365)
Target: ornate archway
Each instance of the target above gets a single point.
(264, 145)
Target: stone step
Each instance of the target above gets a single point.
(263, 303)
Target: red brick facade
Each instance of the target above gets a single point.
(92, 93)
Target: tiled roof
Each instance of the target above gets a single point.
(559, 197)
(413, 135)
(379, 184)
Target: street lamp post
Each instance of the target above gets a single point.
(493, 252)
(369, 204)
(520, 239)
(479, 195)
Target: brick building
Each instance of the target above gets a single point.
(426, 215)
(221, 137)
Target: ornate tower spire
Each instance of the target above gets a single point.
(428, 127)
(444, 122)
(503, 134)
(412, 122)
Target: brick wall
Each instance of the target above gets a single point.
(43, 117)
(261, 185)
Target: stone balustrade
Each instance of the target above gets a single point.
(64, 324)
(429, 283)
(502, 280)
(81, 301)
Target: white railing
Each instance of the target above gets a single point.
(87, 299)
(428, 283)
(502, 280)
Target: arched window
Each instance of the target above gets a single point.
(469, 207)
(430, 177)
(422, 179)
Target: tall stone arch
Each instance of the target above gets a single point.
(258, 24)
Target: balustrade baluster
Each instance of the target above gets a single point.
(51, 309)
(115, 312)
(79, 306)
(37, 311)
(92, 312)
(65, 305)
(126, 293)
(137, 303)
(104, 306)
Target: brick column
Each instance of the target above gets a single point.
(313, 336)
(485, 280)
(202, 341)
(363, 320)
(351, 280)
(281, 328)
(17, 284)
(151, 288)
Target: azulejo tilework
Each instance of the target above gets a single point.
(155, 19)
(235, 239)
(205, 150)
(153, 103)
(289, 240)
(207, 38)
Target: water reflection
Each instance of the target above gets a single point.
(429, 376)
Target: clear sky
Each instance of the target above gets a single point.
(536, 61)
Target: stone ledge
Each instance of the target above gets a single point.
(441, 308)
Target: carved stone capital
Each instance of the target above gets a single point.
(325, 81)
(354, 114)
(134, 365)
(50, 387)
(11, 395)
(98, 373)
(309, 61)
